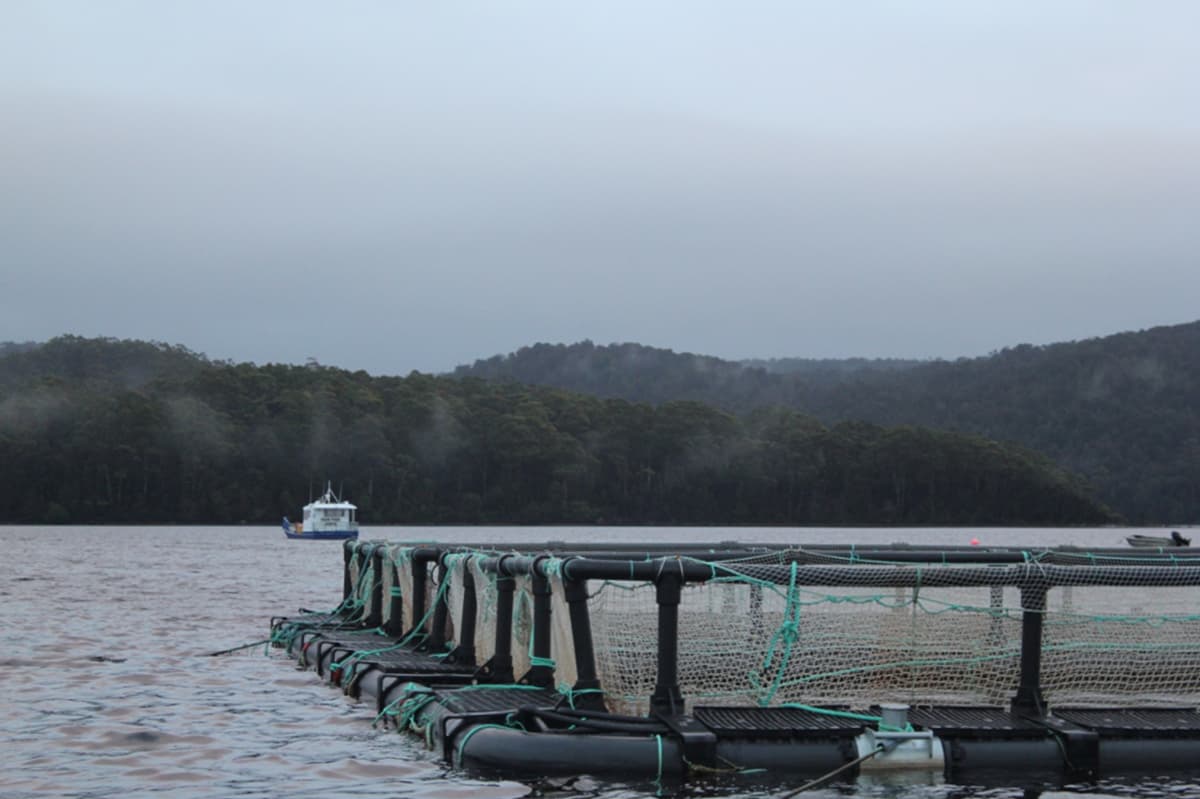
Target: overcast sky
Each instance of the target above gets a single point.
(394, 186)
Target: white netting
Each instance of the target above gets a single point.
(748, 642)
(1138, 643)
(765, 637)
(355, 575)
(562, 645)
(486, 598)
(389, 584)
(485, 611)
(364, 585)
(522, 626)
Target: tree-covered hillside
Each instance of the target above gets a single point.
(98, 430)
(1122, 411)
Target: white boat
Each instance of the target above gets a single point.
(1172, 540)
(327, 518)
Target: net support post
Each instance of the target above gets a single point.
(347, 560)
(667, 699)
(587, 684)
(666, 703)
(374, 618)
(1029, 700)
(394, 626)
(436, 641)
(419, 580)
(502, 662)
(465, 651)
(362, 557)
(542, 673)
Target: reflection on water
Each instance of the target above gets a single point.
(107, 687)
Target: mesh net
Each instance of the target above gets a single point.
(762, 631)
(390, 586)
(747, 641)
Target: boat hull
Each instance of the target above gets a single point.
(290, 531)
(1148, 541)
(323, 535)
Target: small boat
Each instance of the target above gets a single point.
(326, 519)
(1172, 540)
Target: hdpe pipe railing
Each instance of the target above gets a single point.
(669, 575)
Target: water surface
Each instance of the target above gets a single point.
(107, 687)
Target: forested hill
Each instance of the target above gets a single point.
(99, 430)
(647, 374)
(1123, 411)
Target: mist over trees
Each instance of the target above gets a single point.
(1122, 411)
(100, 430)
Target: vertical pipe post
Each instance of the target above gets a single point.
(394, 626)
(502, 664)
(419, 567)
(347, 559)
(1029, 699)
(541, 673)
(374, 617)
(362, 554)
(667, 699)
(587, 685)
(465, 651)
(436, 641)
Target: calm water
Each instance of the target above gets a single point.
(107, 689)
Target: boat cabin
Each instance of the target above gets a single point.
(330, 514)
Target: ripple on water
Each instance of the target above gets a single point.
(119, 699)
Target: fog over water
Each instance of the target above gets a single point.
(393, 187)
(106, 688)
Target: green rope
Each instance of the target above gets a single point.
(569, 693)
(351, 661)
(786, 635)
(410, 706)
(462, 743)
(658, 785)
(846, 714)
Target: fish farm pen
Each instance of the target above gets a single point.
(670, 663)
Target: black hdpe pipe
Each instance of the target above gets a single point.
(932, 576)
(899, 551)
(502, 750)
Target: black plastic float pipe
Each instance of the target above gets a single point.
(933, 575)
(856, 559)
(1016, 574)
(934, 552)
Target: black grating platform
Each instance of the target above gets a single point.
(483, 699)
(315, 620)
(775, 723)
(360, 639)
(974, 722)
(408, 662)
(1135, 722)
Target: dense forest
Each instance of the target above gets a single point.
(100, 430)
(1122, 411)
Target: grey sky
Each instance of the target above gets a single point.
(396, 186)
